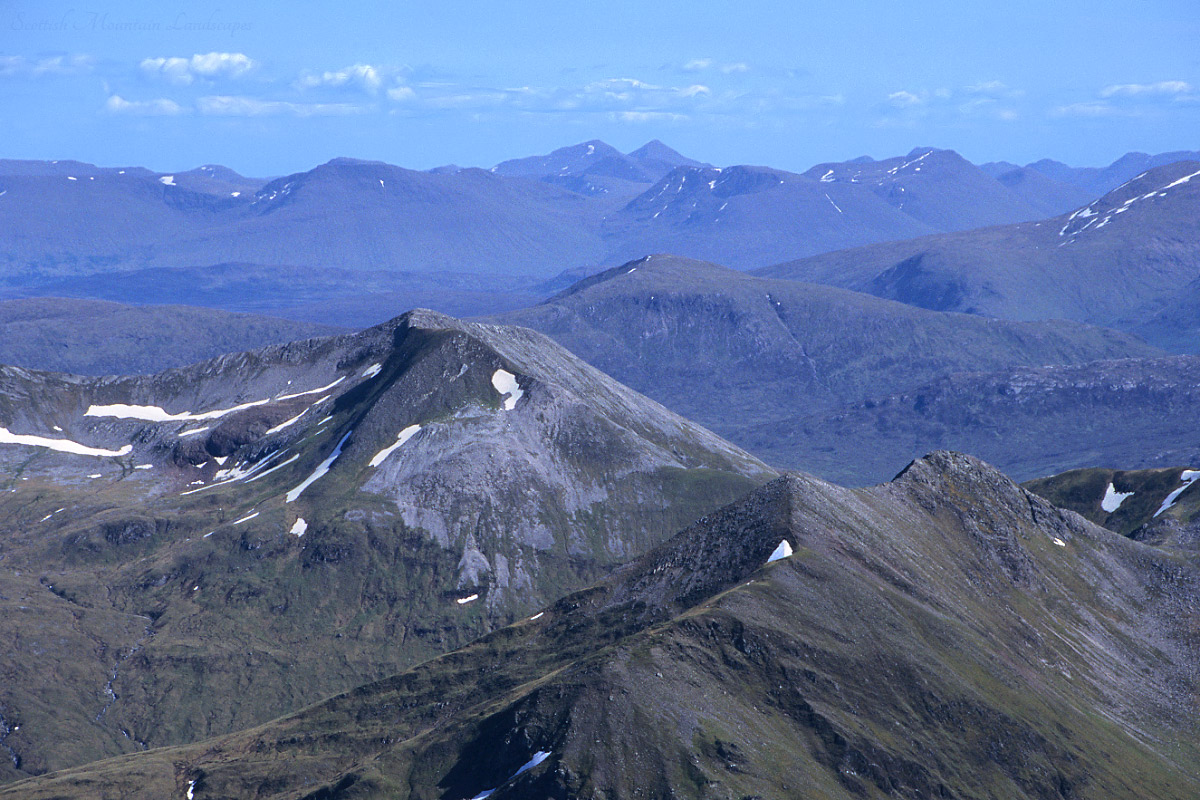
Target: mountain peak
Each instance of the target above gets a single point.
(656, 152)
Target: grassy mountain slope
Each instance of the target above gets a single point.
(944, 635)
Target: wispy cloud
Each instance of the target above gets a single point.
(1091, 109)
(211, 66)
(20, 66)
(705, 64)
(160, 107)
(987, 99)
(241, 106)
(1160, 89)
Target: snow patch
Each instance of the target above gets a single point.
(157, 414)
(286, 424)
(506, 384)
(60, 445)
(300, 527)
(462, 601)
(235, 194)
(144, 466)
(401, 438)
(1182, 180)
(538, 758)
(1113, 499)
(827, 177)
(320, 471)
(191, 790)
(372, 371)
(538, 615)
(247, 518)
(167, 180)
(1059, 542)
(193, 431)
(1187, 476)
(784, 550)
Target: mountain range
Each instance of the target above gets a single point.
(64, 224)
(454, 559)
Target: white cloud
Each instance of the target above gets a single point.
(996, 89)
(160, 107)
(240, 106)
(740, 66)
(1161, 88)
(698, 65)
(365, 76)
(183, 71)
(401, 93)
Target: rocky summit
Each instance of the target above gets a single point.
(293, 521)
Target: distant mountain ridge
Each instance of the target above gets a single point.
(583, 206)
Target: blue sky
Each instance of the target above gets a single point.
(275, 87)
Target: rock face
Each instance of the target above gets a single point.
(289, 522)
(947, 634)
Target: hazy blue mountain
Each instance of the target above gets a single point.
(1135, 413)
(939, 188)
(92, 337)
(1101, 180)
(1124, 260)
(341, 297)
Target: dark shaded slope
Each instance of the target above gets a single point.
(944, 635)
(748, 356)
(1030, 422)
